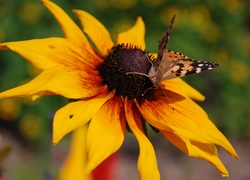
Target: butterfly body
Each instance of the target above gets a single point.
(174, 64)
(170, 64)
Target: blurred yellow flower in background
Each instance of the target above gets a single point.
(30, 8)
(9, 109)
(102, 94)
(76, 160)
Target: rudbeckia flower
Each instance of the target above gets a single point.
(102, 93)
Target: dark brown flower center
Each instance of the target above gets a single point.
(125, 69)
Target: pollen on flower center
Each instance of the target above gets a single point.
(125, 69)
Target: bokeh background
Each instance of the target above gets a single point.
(217, 30)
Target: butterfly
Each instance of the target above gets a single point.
(170, 64)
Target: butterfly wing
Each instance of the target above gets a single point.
(179, 65)
(163, 43)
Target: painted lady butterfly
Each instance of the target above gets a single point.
(170, 64)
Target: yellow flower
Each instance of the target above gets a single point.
(104, 95)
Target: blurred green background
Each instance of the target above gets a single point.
(204, 30)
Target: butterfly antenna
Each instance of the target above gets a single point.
(163, 42)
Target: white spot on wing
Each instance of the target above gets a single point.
(198, 70)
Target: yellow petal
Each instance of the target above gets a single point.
(29, 88)
(147, 164)
(74, 115)
(95, 30)
(76, 160)
(64, 82)
(186, 118)
(106, 132)
(72, 85)
(179, 86)
(207, 152)
(50, 52)
(154, 116)
(134, 35)
(193, 118)
(71, 31)
(40, 52)
(171, 98)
